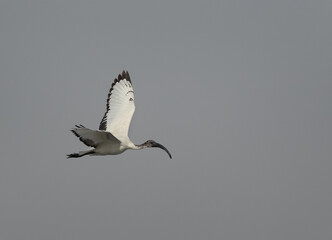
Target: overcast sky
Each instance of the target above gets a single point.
(240, 92)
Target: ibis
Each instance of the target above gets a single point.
(112, 136)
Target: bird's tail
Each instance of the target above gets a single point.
(79, 154)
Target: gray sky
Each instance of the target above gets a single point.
(240, 92)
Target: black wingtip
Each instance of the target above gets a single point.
(125, 75)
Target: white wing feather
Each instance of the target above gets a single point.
(93, 138)
(120, 107)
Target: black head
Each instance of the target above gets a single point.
(151, 143)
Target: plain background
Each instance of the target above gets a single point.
(240, 92)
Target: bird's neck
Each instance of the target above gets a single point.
(141, 146)
(131, 145)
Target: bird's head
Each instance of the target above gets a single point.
(152, 144)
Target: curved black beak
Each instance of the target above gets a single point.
(162, 147)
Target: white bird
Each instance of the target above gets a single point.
(112, 136)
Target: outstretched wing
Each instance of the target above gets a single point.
(120, 107)
(92, 138)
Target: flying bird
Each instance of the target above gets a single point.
(112, 136)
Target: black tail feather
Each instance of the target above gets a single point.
(74, 155)
(77, 155)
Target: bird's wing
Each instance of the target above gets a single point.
(120, 107)
(92, 138)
